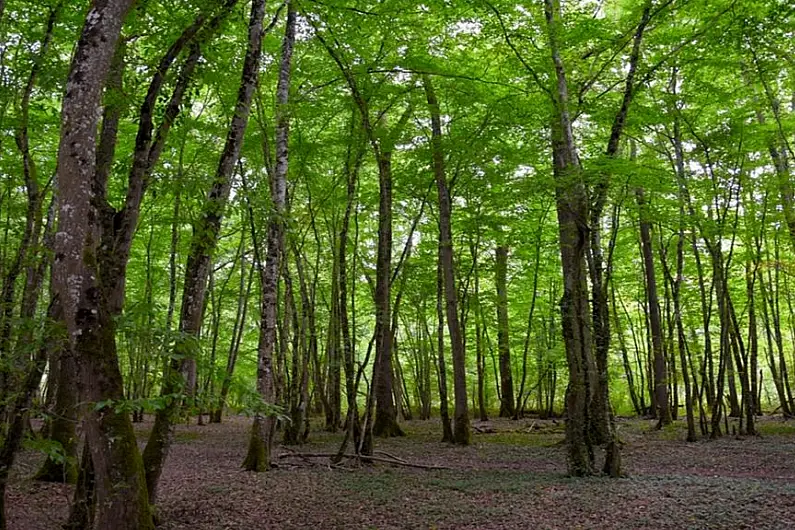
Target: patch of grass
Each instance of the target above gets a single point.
(186, 436)
(492, 481)
(520, 439)
(380, 486)
(776, 428)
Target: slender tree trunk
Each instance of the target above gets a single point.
(768, 319)
(520, 398)
(507, 403)
(262, 431)
(19, 410)
(461, 432)
(680, 329)
(447, 429)
(352, 165)
(202, 247)
(601, 429)
(480, 324)
(655, 320)
(238, 328)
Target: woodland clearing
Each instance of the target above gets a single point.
(511, 478)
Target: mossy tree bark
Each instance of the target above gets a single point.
(120, 489)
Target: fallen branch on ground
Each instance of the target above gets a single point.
(391, 460)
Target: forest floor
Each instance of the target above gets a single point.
(510, 478)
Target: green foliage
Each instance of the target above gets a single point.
(719, 72)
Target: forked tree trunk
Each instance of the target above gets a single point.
(602, 422)
(572, 210)
(121, 493)
(353, 162)
(262, 431)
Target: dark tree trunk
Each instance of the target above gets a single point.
(601, 418)
(480, 329)
(507, 402)
(447, 429)
(19, 414)
(386, 413)
(655, 320)
(353, 162)
(572, 210)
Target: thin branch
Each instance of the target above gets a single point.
(361, 458)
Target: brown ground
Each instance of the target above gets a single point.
(511, 478)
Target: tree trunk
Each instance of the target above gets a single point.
(461, 431)
(259, 448)
(507, 403)
(243, 296)
(480, 357)
(572, 210)
(386, 413)
(203, 245)
(120, 489)
(447, 429)
(602, 426)
(655, 320)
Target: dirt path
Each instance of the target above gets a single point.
(511, 478)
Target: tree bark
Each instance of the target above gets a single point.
(655, 320)
(203, 245)
(600, 276)
(461, 430)
(444, 412)
(262, 431)
(507, 402)
(120, 489)
(572, 210)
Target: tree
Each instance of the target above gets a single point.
(120, 488)
(259, 451)
(461, 432)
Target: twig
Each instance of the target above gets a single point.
(361, 457)
(390, 456)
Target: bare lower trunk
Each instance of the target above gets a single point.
(447, 429)
(386, 413)
(655, 319)
(507, 402)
